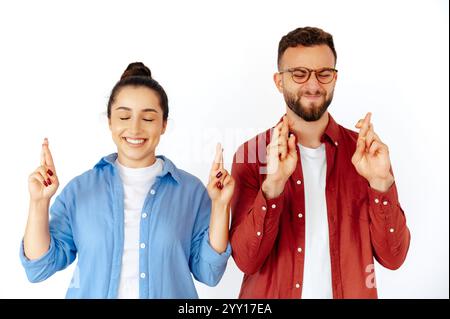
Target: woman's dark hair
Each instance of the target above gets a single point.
(137, 74)
(308, 37)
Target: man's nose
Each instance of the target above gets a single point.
(313, 84)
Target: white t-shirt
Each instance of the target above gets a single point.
(136, 185)
(317, 268)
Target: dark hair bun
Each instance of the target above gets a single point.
(136, 69)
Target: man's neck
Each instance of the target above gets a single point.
(306, 133)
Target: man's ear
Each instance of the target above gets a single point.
(277, 78)
(109, 123)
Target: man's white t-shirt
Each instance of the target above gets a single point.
(317, 267)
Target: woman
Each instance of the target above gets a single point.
(139, 225)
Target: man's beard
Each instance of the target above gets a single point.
(309, 114)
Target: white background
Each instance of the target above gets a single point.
(59, 62)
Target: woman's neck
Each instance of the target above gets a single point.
(136, 163)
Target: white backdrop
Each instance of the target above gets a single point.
(59, 62)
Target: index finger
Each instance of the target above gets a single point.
(365, 125)
(47, 154)
(218, 158)
(221, 158)
(285, 128)
(276, 134)
(43, 153)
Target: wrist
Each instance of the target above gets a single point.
(382, 184)
(219, 205)
(39, 207)
(272, 188)
(39, 202)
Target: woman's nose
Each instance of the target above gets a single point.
(135, 126)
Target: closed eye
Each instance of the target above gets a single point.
(127, 118)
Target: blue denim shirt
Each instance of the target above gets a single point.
(87, 218)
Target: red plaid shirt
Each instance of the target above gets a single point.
(265, 234)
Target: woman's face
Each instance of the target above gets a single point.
(136, 125)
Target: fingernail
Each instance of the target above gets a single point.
(219, 174)
(219, 185)
(45, 183)
(49, 172)
(49, 182)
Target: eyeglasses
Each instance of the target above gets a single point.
(301, 74)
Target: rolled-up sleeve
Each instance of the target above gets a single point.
(62, 250)
(205, 263)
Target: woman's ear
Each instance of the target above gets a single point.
(164, 127)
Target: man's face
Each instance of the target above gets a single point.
(309, 100)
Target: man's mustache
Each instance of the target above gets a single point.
(323, 93)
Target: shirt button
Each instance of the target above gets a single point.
(152, 192)
(142, 245)
(300, 215)
(299, 182)
(385, 203)
(297, 285)
(274, 206)
(264, 208)
(142, 275)
(336, 143)
(144, 215)
(376, 200)
(258, 233)
(299, 249)
(391, 230)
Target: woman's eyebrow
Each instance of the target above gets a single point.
(149, 110)
(123, 108)
(144, 110)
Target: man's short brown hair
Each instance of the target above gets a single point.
(308, 37)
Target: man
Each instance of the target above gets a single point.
(314, 202)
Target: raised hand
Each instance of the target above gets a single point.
(371, 157)
(281, 160)
(221, 184)
(43, 182)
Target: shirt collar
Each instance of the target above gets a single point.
(169, 167)
(332, 131)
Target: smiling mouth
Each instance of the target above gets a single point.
(134, 141)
